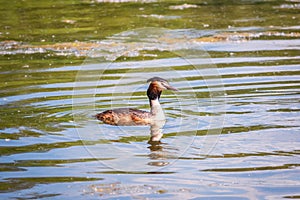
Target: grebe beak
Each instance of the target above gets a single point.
(169, 87)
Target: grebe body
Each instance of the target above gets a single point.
(130, 117)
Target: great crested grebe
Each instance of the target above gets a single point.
(130, 116)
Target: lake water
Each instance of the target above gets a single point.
(232, 129)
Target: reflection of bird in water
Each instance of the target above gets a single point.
(131, 117)
(156, 132)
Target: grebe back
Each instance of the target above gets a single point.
(130, 116)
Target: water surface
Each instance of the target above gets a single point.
(232, 130)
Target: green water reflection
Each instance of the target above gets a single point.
(45, 153)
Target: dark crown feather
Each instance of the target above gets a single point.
(156, 78)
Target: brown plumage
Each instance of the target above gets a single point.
(130, 116)
(124, 116)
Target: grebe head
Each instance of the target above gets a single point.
(161, 83)
(157, 85)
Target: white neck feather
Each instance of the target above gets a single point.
(156, 110)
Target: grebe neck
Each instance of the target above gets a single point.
(156, 108)
(153, 94)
